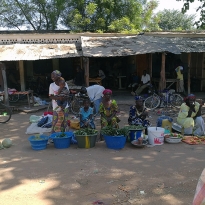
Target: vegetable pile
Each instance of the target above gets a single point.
(61, 135)
(135, 127)
(37, 137)
(110, 131)
(86, 131)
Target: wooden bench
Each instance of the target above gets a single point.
(95, 80)
(23, 93)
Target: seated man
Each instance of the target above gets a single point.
(189, 116)
(145, 82)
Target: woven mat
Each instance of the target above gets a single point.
(193, 140)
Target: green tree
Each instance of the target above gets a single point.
(104, 16)
(175, 20)
(33, 14)
(201, 22)
(149, 19)
(128, 16)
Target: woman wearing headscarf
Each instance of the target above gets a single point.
(60, 116)
(189, 116)
(138, 114)
(108, 110)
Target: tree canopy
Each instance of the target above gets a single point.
(79, 15)
(201, 22)
(175, 20)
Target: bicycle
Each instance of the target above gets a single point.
(5, 112)
(167, 97)
(75, 101)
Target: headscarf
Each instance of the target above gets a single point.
(137, 97)
(190, 96)
(57, 72)
(107, 91)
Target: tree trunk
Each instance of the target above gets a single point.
(3, 70)
(188, 76)
(86, 68)
(162, 83)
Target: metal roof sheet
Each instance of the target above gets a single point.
(124, 46)
(16, 52)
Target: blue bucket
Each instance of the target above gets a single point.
(38, 144)
(135, 134)
(61, 142)
(115, 142)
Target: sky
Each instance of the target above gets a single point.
(173, 4)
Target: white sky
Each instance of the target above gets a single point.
(173, 4)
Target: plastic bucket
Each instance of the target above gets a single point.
(115, 142)
(86, 141)
(38, 144)
(61, 142)
(135, 134)
(156, 135)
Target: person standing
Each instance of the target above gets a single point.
(102, 75)
(60, 116)
(95, 93)
(145, 82)
(79, 77)
(179, 71)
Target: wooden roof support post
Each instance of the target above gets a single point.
(21, 71)
(86, 69)
(162, 83)
(188, 74)
(3, 70)
(150, 64)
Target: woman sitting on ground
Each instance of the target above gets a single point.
(108, 110)
(189, 116)
(138, 114)
(86, 115)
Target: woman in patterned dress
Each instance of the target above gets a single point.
(108, 110)
(60, 116)
(138, 114)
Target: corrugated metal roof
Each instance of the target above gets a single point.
(16, 52)
(124, 46)
(102, 47)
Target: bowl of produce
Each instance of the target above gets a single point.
(140, 142)
(173, 138)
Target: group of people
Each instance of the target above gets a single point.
(189, 116)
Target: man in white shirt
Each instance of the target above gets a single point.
(145, 82)
(94, 92)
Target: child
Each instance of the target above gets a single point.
(62, 92)
(86, 115)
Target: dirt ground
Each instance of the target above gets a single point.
(159, 175)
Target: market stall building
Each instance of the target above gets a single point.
(35, 55)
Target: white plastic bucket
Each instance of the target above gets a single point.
(156, 135)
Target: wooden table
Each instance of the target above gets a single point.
(120, 81)
(171, 81)
(95, 80)
(24, 93)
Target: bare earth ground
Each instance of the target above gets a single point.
(160, 175)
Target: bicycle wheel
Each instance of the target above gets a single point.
(176, 100)
(5, 113)
(152, 102)
(76, 104)
(13, 98)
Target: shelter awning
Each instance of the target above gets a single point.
(15, 52)
(124, 46)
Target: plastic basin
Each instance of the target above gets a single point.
(38, 144)
(115, 142)
(61, 142)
